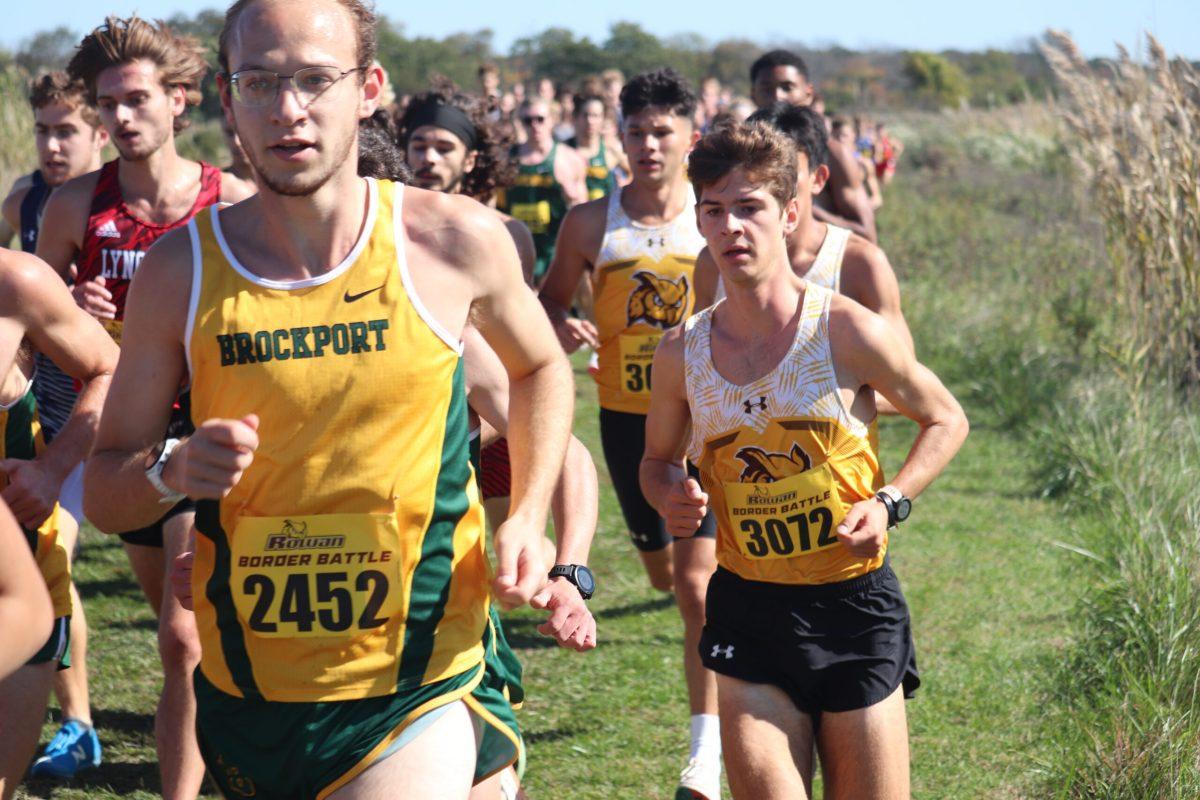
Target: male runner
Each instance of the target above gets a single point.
(603, 157)
(782, 76)
(772, 391)
(551, 178)
(343, 582)
(638, 246)
(69, 139)
(832, 257)
(142, 78)
(37, 311)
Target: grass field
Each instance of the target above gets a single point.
(991, 595)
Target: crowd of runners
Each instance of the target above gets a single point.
(341, 370)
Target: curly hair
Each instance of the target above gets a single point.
(494, 165)
(180, 59)
(378, 155)
(662, 88)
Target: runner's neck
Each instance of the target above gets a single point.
(655, 203)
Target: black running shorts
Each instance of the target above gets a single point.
(831, 647)
(623, 437)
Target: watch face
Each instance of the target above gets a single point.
(585, 581)
(903, 509)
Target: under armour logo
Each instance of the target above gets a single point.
(662, 241)
(750, 405)
(726, 651)
(30, 236)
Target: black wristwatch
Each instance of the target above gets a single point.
(898, 506)
(579, 575)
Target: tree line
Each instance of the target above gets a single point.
(848, 79)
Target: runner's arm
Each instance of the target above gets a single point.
(570, 170)
(117, 496)
(665, 483)
(75, 342)
(63, 222)
(849, 195)
(526, 250)
(574, 505)
(541, 391)
(572, 260)
(867, 352)
(10, 210)
(25, 611)
(869, 279)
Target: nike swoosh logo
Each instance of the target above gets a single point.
(350, 298)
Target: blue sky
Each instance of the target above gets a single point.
(922, 24)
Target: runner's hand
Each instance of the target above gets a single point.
(93, 298)
(686, 506)
(181, 579)
(571, 623)
(210, 462)
(864, 529)
(520, 561)
(31, 492)
(574, 333)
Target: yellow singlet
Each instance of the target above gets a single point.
(643, 286)
(22, 438)
(781, 458)
(349, 560)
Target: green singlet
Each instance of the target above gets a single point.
(537, 200)
(600, 179)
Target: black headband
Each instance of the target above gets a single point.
(440, 115)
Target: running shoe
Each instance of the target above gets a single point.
(700, 780)
(74, 748)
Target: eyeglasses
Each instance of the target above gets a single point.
(260, 87)
(531, 120)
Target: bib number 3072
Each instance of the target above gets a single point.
(316, 576)
(793, 516)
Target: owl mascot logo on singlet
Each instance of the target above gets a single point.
(764, 467)
(658, 301)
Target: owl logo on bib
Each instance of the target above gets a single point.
(764, 467)
(658, 301)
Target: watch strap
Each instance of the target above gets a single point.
(168, 496)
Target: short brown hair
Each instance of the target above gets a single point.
(180, 59)
(767, 156)
(57, 87)
(361, 11)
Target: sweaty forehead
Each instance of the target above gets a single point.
(293, 33)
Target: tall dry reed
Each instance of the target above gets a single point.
(17, 154)
(1136, 136)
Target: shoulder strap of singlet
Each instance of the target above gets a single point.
(107, 193)
(827, 267)
(210, 188)
(31, 210)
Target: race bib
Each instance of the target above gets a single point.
(792, 517)
(114, 328)
(535, 215)
(637, 357)
(316, 576)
